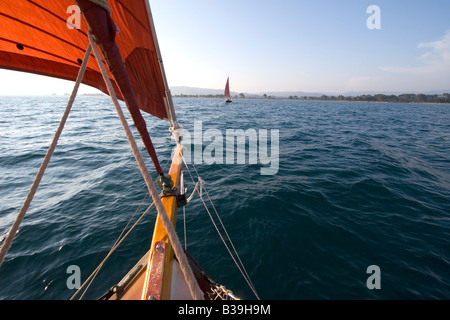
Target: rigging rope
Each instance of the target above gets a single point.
(114, 247)
(15, 227)
(239, 265)
(173, 237)
(116, 244)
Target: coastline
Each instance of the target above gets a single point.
(413, 100)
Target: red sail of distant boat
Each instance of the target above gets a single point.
(49, 38)
(227, 90)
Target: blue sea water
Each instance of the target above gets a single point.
(358, 184)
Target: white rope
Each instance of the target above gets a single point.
(195, 190)
(238, 265)
(37, 180)
(173, 237)
(231, 242)
(184, 224)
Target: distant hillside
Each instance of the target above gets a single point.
(285, 94)
(192, 91)
(176, 91)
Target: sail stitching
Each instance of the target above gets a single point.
(43, 31)
(53, 14)
(134, 16)
(41, 51)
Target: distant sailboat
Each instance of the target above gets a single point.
(166, 270)
(227, 90)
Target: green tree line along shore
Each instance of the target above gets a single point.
(402, 98)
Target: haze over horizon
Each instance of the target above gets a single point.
(324, 46)
(185, 90)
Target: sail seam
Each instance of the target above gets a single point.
(39, 50)
(54, 15)
(41, 30)
(134, 16)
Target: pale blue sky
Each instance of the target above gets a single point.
(287, 45)
(315, 45)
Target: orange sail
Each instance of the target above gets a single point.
(38, 36)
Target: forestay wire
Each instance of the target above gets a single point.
(199, 186)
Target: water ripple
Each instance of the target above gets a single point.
(358, 184)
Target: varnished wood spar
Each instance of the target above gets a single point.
(170, 203)
(134, 288)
